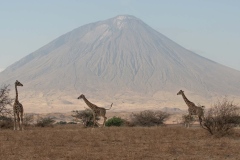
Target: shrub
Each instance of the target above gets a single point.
(85, 116)
(45, 122)
(187, 120)
(221, 118)
(27, 119)
(71, 123)
(114, 121)
(62, 122)
(5, 100)
(149, 118)
(6, 122)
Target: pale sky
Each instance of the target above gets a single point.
(210, 28)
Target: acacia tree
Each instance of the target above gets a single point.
(5, 100)
(86, 117)
(221, 118)
(149, 118)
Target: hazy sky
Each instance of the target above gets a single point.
(210, 28)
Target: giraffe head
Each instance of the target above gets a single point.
(81, 96)
(17, 83)
(180, 92)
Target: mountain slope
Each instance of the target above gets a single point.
(118, 56)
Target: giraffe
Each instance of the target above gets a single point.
(97, 111)
(192, 108)
(17, 109)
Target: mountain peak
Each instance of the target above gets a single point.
(124, 17)
(122, 21)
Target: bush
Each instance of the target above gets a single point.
(45, 122)
(71, 123)
(115, 121)
(187, 120)
(149, 118)
(5, 100)
(85, 116)
(27, 119)
(221, 118)
(62, 122)
(6, 122)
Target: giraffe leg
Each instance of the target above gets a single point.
(200, 120)
(18, 121)
(94, 120)
(14, 121)
(105, 118)
(21, 118)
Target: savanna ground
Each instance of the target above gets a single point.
(75, 142)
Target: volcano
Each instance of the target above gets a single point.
(120, 60)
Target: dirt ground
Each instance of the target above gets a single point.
(117, 143)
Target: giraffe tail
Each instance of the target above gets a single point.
(110, 107)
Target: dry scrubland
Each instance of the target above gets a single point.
(75, 142)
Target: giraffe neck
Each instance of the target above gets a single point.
(16, 99)
(185, 99)
(88, 103)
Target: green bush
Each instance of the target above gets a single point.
(114, 121)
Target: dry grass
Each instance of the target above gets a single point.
(75, 142)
